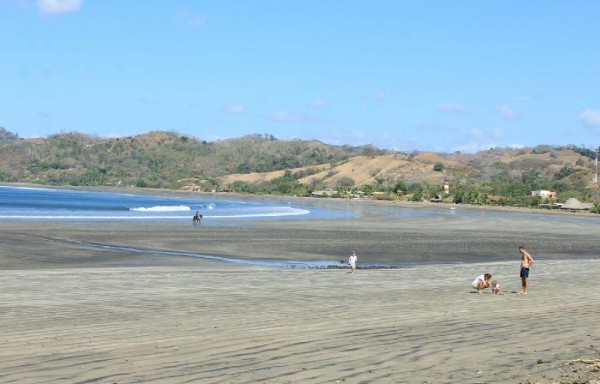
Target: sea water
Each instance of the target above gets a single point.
(40, 203)
(26, 203)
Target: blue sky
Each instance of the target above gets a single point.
(408, 75)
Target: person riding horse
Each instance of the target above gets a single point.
(197, 218)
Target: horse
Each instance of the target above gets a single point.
(197, 219)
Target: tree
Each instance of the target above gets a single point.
(564, 172)
(438, 167)
(345, 182)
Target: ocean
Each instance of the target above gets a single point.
(38, 203)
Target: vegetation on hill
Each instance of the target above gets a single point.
(7, 136)
(156, 159)
(264, 164)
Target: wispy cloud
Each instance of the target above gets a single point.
(476, 134)
(498, 133)
(58, 7)
(482, 136)
(472, 147)
(455, 108)
(148, 101)
(478, 140)
(236, 109)
(291, 117)
(44, 115)
(347, 136)
(318, 103)
(283, 116)
(508, 113)
(436, 128)
(191, 20)
(378, 96)
(590, 118)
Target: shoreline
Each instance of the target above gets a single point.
(377, 229)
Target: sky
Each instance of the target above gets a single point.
(408, 75)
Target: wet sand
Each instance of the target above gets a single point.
(73, 313)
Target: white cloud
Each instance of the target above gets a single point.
(148, 101)
(516, 146)
(347, 136)
(283, 116)
(318, 103)
(236, 109)
(477, 134)
(590, 118)
(291, 117)
(191, 20)
(378, 96)
(508, 113)
(436, 128)
(474, 147)
(57, 7)
(479, 140)
(498, 133)
(455, 108)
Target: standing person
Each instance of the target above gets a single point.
(481, 282)
(526, 262)
(352, 261)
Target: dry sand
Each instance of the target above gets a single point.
(77, 314)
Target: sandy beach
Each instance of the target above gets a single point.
(75, 313)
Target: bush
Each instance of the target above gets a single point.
(345, 182)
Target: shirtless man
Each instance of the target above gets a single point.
(526, 262)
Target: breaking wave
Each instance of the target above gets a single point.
(162, 208)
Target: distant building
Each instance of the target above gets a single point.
(544, 194)
(446, 187)
(326, 193)
(573, 204)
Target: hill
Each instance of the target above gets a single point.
(264, 164)
(157, 159)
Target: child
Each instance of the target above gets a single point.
(352, 261)
(495, 287)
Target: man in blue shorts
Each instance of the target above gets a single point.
(526, 263)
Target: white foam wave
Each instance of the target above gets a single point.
(29, 188)
(162, 208)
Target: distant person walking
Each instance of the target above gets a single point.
(526, 263)
(352, 261)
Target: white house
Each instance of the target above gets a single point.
(544, 194)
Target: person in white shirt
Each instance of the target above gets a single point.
(352, 261)
(481, 282)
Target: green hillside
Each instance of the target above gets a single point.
(155, 159)
(264, 164)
